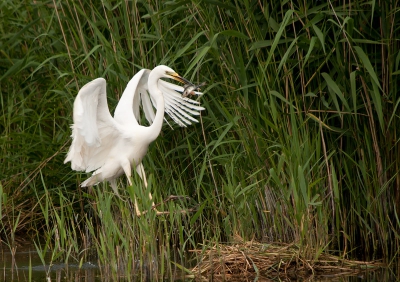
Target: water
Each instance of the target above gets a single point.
(26, 265)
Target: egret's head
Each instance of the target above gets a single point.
(162, 71)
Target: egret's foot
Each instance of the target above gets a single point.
(169, 198)
(159, 212)
(140, 213)
(153, 208)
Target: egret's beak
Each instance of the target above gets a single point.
(179, 78)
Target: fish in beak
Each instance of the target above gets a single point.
(190, 88)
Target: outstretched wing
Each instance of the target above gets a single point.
(127, 111)
(93, 130)
(180, 109)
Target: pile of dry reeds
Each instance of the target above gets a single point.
(251, 258)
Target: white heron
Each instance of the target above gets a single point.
(112, 146)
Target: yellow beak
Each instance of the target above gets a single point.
(179, 78)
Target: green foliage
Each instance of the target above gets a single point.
(299, 142)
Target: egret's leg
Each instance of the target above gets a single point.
(126, 166)
(142, 174)
(113, 184)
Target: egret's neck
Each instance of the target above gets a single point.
(158, 97)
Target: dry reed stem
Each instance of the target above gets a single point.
(251, 258)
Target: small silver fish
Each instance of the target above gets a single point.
(190, 88)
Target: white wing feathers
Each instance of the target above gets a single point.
(147, 105)
(178, 108)
(127, 111)
(93, 129)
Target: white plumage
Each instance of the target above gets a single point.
(112, 146)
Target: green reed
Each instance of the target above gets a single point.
(298, 143)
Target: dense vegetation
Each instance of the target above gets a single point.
(299, 141)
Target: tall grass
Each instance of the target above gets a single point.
(299, 142)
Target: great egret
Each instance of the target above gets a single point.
(112, 146)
